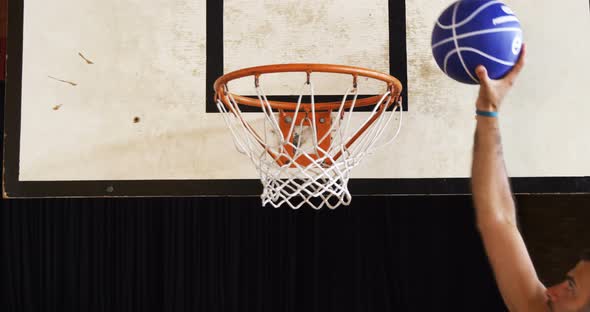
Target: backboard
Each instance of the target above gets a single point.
(115, 98)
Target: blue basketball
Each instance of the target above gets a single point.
(476, 32)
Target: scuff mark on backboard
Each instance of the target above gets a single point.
(85, 59)
(64, 81)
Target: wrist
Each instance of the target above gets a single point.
(486, 106)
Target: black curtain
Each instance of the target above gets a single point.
(230, 254)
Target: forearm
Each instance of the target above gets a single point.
(491, 188)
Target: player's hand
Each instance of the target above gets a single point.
(492, 92)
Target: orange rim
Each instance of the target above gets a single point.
(394, 85)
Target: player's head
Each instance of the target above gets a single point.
(573, 294)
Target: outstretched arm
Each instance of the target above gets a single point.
(494, 204)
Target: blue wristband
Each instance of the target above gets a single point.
(486, 113)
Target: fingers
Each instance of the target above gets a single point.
(511, 77)
(482, 74)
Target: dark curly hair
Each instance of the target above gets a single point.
(585, 255)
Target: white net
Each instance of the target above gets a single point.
(305, 155)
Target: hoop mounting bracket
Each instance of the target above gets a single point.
(303, 120)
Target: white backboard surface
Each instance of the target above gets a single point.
(121, 91)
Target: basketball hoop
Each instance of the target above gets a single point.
(304, 151)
